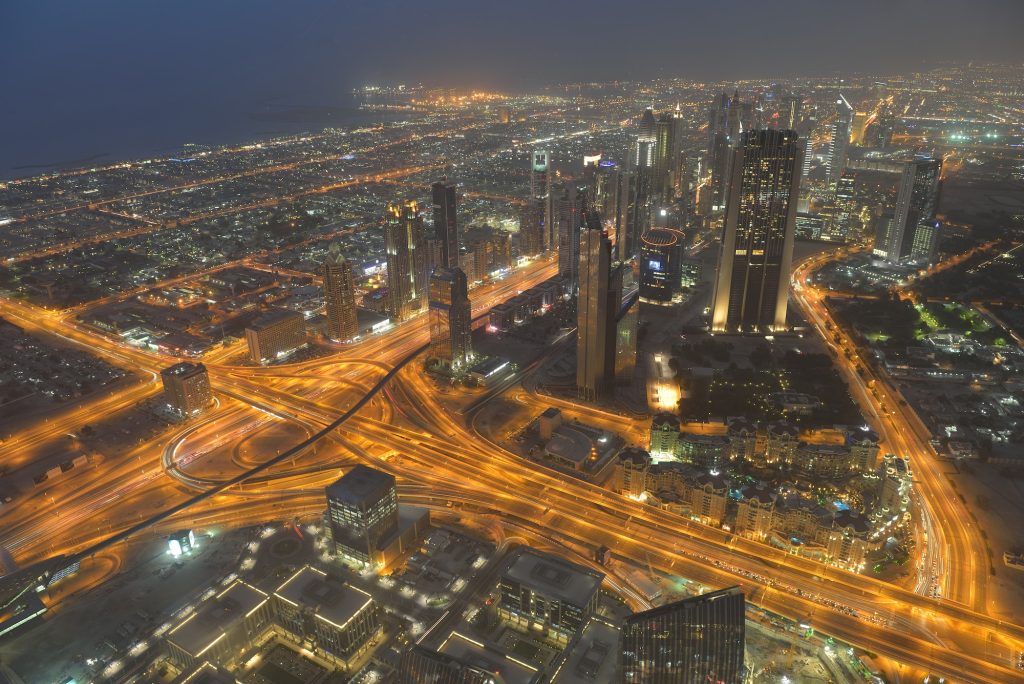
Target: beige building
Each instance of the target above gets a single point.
(754, 512)
(630, 474)
(275, 334)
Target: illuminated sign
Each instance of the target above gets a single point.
(654, 264)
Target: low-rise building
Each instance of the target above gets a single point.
(541, 593)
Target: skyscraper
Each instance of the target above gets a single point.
(660, 254)
(450, 318)
(752, 284)
(362, 510)
(697, 640)
(665, 157)
(598, 303)
(568, 210)
(642, 181)
(915, 210)
(339, 295)
(540, 191)
(406, 259)
(840, 141)
(531, 228)
(446, 227)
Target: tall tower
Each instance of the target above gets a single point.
(406, 259)
(916, 205)
(840, 140)
(540, 192)
(362, 509)
(446, 227)
(339, 295)
(450, 318)
(597, 305)
(640, 184)
(752, 285)
(568, 209)
(531, 228)
(692, 641)
(664, 161)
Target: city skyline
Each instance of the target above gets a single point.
(612, 381)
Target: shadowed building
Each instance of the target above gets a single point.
(187, 387)
(446, 226)
(697, 640)
(598, 303)
(406, 258)
(752, 285)
(450, 319)
(363, 510)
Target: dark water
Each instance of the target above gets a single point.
(164, 131)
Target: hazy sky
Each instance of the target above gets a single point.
(84, 77)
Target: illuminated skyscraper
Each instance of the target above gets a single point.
(339, 295)
(540, 192)
(531, 228)
(697, 640)
(666, 157)
(362, 509)
(840, 141)
(640, 185)
(446, 227)
(406, 258)
(752, 284)
(450, 318)
(660, 254)
(600, 297)
(915, 210)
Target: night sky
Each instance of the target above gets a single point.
(124, 78)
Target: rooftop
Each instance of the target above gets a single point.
(361, 485)
(329, 598)
(196, 633)
(490, 658)
(272, 318)
(554, 577)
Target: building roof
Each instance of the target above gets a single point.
(488, 657)
(554, 577)
(183, 369)
(361, 485)
(331, 599)
(272, 318)
(569, 444)
(665, 420)
(196, 633)
(636, 455)
(756, 492)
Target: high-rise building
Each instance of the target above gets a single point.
(275, 334)
(916, 205)
(660, 254)
(446, 226)
(789, 112)
(450, 318)
(406, 258)
(187, 388)
(420, 665)
(598, 303)
(339, 295)
(540, 192)
(840, 141)
(642, 183)
(362, 509)
(666, 157)
(531, 229)
(697, 640)
(568, 207)
(752, 284)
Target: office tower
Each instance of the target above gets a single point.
(450, 319)
(362, 510)
(665, 147)
(752, 284)
(840, 141)
(805, 167)
(420, 665)
(540, 192)
(446, 227)
(600, 297)
(642, 183)
(694, 641)
(789, 112)
(916, 205)
(406, 259)
(339, 295)
(531, 229)
(276, 334)
(186, 388)
(660, 254)
(568, 211)
(845, 206)
(544, 593)
(627, 321)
